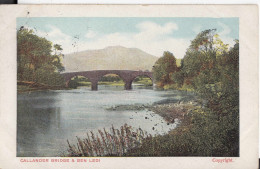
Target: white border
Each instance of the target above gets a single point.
(138, 2)
(248, 80)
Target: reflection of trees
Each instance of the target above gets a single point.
(35, 116)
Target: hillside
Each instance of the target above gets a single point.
(109, 58)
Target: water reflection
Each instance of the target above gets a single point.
(36, 117)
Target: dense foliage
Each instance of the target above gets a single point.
(211, 70)
(164, 68)
(36, 61)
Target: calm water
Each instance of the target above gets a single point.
(46, 119)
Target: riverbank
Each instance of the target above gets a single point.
(88, 84)
(144, 82)
(28, 86)
(200, 133)
(23, 87)
(169, 109)
(116, 144)
(172, 111)
(178, 111)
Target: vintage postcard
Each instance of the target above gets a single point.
(129, 86)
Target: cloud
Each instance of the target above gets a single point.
(226, 30)
(156, 28)
(90, 34)
(150, 37)
(56, 36)
(154, 31)
(224, 34)
(228, 40)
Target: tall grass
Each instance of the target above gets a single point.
(116, 142)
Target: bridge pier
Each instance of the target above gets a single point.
(67, 84)
(94, 86)
(128, 85)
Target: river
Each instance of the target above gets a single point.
(46, 119)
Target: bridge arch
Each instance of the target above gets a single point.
(78, 80)
(116, 78)
(138, 74)
(94, 76)
(137, 78)
(69, 76)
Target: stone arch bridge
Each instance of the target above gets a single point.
(94, 76)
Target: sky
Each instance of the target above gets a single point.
(152, 35)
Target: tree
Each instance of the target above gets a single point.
(57, 48)
(213, 72)
(212, 69)
(178, 78)
(35, 59)
(32, 52)
(202, 56)
(164, 68)
(58, 56)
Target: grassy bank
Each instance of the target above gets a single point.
(118, 83)
(144, 81)
(24, 89)
(200, 133)
(28, 86)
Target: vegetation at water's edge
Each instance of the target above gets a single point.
(146, 81)
(211, 69)
(28, 86)
(115, 142)
(199, 134)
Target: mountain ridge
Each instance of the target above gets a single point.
(109, 58)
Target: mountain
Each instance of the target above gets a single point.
(109, 58)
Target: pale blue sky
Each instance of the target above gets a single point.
(153, 35)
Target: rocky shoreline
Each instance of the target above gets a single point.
(169, 111)
(172, 111)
